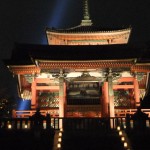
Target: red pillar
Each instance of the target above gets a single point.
(65, 102)
(136, 93)
(105, 111)
(61, 97)
(111, 96)
(33, 101)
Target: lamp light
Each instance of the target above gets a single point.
(59, 139)
(58, 145)
(9, 126)
(26, 126)
(125, 144)
(120, 133)
(60, 134)
(122, 138)
(118, 128)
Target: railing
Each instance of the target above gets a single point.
(137, 123)
(27, 123)
(54, 112)
(67, 123)
(124, 112)
(29, 113)
(70, 123)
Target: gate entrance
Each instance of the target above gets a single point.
(84, 99)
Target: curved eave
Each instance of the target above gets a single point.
(143, 64)
(47, 64)
(141, 68)
(24, 69)
(21, 66)
(84, 61)
(68, 32)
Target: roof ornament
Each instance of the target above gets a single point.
(86, 17)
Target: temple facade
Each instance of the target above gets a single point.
(84, 71)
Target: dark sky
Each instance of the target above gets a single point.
(24, 21)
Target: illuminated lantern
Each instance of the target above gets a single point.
(26, 126)
(125, 144)
(9, 126)
(59, 139)
(58, 145)
(122, 139)
(60, 134)
(120, 133)
(118, 128)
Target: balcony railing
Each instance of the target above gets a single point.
(54, 112)
(69, 123)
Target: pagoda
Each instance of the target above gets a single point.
(87, 34)
(84, 71)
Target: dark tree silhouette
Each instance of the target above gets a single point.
(7, 102)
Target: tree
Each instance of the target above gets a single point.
(7, 102)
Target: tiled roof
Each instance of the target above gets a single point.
(83, 29)
(24, 54)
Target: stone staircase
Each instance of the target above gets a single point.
(91, 140)
(140, 140)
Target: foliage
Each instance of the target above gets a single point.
(7, 103)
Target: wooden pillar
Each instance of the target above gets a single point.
(111, 95)
(61, 97)
(14, 113)
(19, 82)
(136, 93)
(33, 101)
(105, 111)
(132, 101)
(65, 102)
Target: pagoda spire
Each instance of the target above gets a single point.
(86, 16)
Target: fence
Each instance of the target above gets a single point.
(139, 123)
(67, 123)
(29, 113)
(124, 112)
(54, 112)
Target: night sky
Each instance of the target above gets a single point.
(25, 21)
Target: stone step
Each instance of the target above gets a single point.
(91, 140)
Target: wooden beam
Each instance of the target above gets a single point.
(51, 88)
(126, 79)
(44, 80)
(115, 87)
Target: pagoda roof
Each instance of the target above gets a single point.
(26, 54)
(87, 29)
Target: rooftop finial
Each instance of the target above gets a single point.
(86, 17)
(86, 10)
